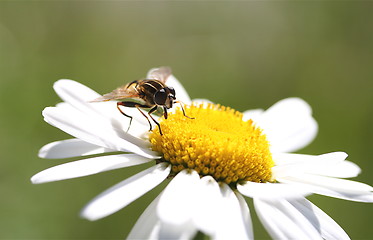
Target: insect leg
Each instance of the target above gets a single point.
(150, 112)
(125, 104)
(165, 114)
(138, 108)
(132, 104)
(182, 108)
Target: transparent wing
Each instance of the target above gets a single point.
(160, 74)
(122, 92)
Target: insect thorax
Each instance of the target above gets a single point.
(148, 88)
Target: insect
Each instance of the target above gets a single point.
(152, 93)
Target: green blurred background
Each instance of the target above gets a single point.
(241, 54)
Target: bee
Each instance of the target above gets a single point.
(152, 94)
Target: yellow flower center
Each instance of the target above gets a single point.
(217, 142)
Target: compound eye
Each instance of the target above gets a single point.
(160, 97)
(172, 91)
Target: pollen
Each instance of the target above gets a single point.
(215, 141)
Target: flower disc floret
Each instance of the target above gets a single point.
(216, 142)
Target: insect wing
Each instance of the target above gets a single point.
(160, 74)
(123, 92)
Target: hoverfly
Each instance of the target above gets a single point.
(149, 93)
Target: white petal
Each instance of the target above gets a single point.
(177, 232)
(201, 101)
(283, 221)
(245, 212)
(271, 190)
(338, 184)
(345, 169)
(293, 158)
(288, 125)
(330, 164)
(70, 148)
(207, 217)
(253, 114)
(235, 218)
(95, 132)
(327, 227)
(122, 194)
(333, 187)
(87, 167)
(148, 225)
(73, 92)
(114, 119)
(178, 200)
(80, 97)
(181, 93)
(139, 126)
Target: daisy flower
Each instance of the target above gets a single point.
(211, 163)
